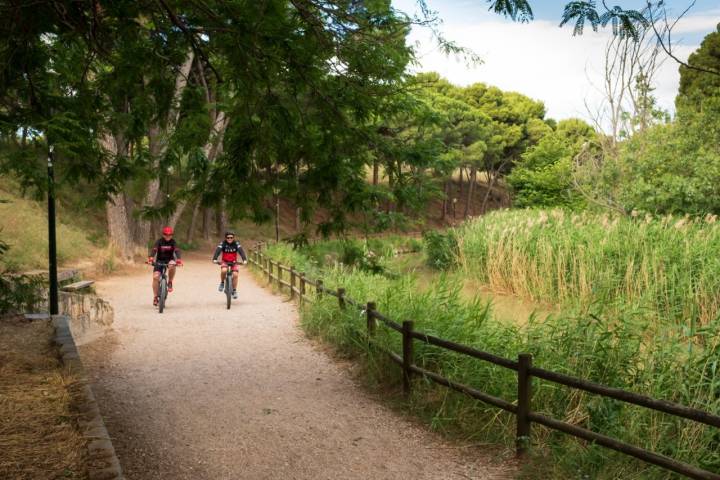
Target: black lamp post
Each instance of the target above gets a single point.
(52, 240)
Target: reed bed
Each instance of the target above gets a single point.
(667, 267)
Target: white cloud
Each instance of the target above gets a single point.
(540, 60)
(698, 23)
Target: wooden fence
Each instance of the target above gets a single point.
(298, 283)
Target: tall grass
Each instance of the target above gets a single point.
(23, 226)
(614, 351)
(669, 267)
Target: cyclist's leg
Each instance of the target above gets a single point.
(156, 282)
(235, 275)
(223, 272)
(171, 273)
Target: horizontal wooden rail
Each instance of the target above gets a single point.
(526, 372)
(394, 325)
(477, 394)
(622, 447)
(469, 351)
(629, 397)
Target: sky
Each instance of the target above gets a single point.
(541, 60)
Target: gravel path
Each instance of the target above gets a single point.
(200, 392)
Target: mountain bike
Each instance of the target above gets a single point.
(228, 282)
(163, 288)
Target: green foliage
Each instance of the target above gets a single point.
(18, 293)
(696, 85)
(441, 249)
(544, 175)
(360, 256)
(666, 170)
(620, 351)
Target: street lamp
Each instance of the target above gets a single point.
(52, 241)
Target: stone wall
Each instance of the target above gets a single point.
(90, 315)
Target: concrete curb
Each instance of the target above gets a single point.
(103, 463)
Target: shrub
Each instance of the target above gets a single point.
(18, 293)
(442, 249)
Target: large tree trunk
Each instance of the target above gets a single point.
(158, 139)
(376, 172)
(175, 217)
(121, 238)
(470, 192)
(207, 220)
(118, 226)
(277, 218)
(490, 186)
(212, 149)
(193, 223)
(222, 223)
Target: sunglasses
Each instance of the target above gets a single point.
(229, 237)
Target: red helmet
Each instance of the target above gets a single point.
(167, 231)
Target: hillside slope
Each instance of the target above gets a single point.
(23, 226)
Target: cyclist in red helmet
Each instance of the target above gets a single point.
(231, 250)
(166, 251)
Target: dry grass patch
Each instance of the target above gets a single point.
(38, 435)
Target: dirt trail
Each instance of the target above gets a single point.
(200, 392)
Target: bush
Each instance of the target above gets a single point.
(362, 258)
(441, 249)
(18, 293)
(298, 241)
(543, 176)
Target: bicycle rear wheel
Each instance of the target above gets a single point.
(163, 294)
(228, 289)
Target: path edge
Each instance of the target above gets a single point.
(103, 463)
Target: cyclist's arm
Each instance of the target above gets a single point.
(176, 251)
(152, 254)
(242, 252)
(217, 252)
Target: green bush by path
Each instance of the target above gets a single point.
(441, 249)
(667, 268)
(614, 351)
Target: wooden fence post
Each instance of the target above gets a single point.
(319, 288)
(341, 297)
(522, 437)
(407, 328)
(269, 271)
(369, 311)
(302, 286)
(292, 282)
(279, 276)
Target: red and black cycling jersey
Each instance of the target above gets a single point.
(165, 251)
(230, 251)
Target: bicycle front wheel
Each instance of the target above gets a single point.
(228, 289)
(163, 295)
